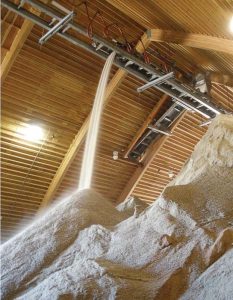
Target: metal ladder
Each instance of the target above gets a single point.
(155, 130)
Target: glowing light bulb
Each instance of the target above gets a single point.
(231, 25)
(32, 133)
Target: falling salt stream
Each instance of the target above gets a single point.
(91, 140)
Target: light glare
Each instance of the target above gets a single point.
(231, 24)
(32, 133)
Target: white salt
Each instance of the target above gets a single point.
(179, 247)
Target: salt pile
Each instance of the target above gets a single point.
(132, 206)
(85, 248)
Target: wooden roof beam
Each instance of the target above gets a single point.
(15, 48)
(193, 40)
(17, 44)
(149, 157)
(80, 136)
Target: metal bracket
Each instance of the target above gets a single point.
(56, 28)
(157, 81)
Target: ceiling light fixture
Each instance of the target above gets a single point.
(32, 133)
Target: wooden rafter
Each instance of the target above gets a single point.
(140, 171)
(17, 43)
(194, 40)
(79, 138)
(147, 122)
(16, 46)
(7, 27)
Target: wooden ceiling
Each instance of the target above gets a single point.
(54, 86)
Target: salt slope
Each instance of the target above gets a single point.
(141, 257)
(215, 283)
(35, 248)
(85, 249)
(132, 205)
(207, 178)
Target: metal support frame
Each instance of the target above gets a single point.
(184, 94)
(155, 129)
(60, 25)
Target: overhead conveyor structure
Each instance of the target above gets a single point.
(183, 95)
(155, 130)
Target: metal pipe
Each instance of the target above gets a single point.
(206, 123)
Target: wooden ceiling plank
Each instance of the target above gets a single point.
(77, 142)
(79, 138)
(193, 40)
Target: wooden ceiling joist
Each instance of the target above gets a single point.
(149, 157)
(16, 46)
(193, 40)
(17, 43)
(79, 138)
